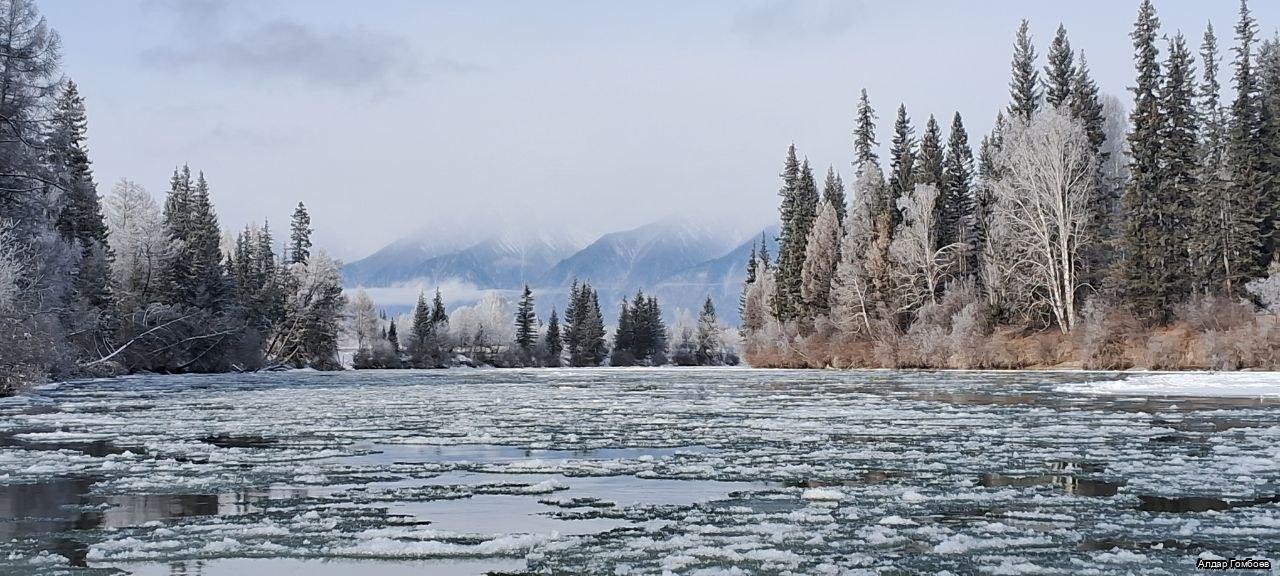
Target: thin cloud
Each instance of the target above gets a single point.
(288, 49)
(777, 22)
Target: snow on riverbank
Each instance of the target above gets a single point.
(1204, 384)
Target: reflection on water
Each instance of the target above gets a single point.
(1069, 484)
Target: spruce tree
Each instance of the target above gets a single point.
(204, 244)
(554, 345)
(300, 235)
(956, 217)
(1143, 249)
(1246, 213)
(1213, 123)
(1060, 72)
(765, 261)
(833, 192)
(709, 351)
(1179, 183)
(789, 212)
(624, 338)
(928, 163)
(571, 315)
(177, 274)
(752, 266)
(864, 135)
(526, 322)
(1269, 146)
(80, 220)
(1024, 86)
(1086, 106)
(901, 167)
(393, 338)
(421, 335)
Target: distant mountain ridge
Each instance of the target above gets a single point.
(680, 261)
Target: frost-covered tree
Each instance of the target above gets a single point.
(757, 313)
(81, 221)
(482, 328)
(710, 349)
(833, 192)
(921, 268)
(864, 135)
(139, 242)
(362, 319)
(1046, 171)
(822, 253)
(861, 282)
(11, 270)
(308, 335)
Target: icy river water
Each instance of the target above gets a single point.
(627, 471)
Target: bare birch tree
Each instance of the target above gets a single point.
(1047, 171)
(919, 269)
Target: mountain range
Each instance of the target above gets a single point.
(680, 261)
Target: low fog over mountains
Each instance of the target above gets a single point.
(680, 261)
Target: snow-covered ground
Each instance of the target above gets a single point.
(1201, 384)
(635, 472)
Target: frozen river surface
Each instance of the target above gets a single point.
(632, 472)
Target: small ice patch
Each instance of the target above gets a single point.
(826, 494)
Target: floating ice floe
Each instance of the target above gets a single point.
(1192, 384)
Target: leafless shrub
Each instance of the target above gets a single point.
(1102, 334)
(1214, 313)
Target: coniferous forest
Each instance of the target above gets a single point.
(1078, 234)
(1084, 230)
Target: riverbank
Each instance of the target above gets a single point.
(1211, 345)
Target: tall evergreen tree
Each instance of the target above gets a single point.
(901, 166)
(710, 350)
(81, 221)
(1086, 106)
(422, 335)
(1213, 122)
(928, 163)
(1180, 166)
(204, 244)
(1269, 146)
(393, 338)
(752, 267)
(300, 235)
(956, 217)
(1144, 245)
(1024, 86)
(554, 345)
(1060, 73)
(526, 322)
(833, 192)
(438, 316)
(1245, 223)
(765, 260)
(864, 135)
(800, 207)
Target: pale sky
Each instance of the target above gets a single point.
(390, 115)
